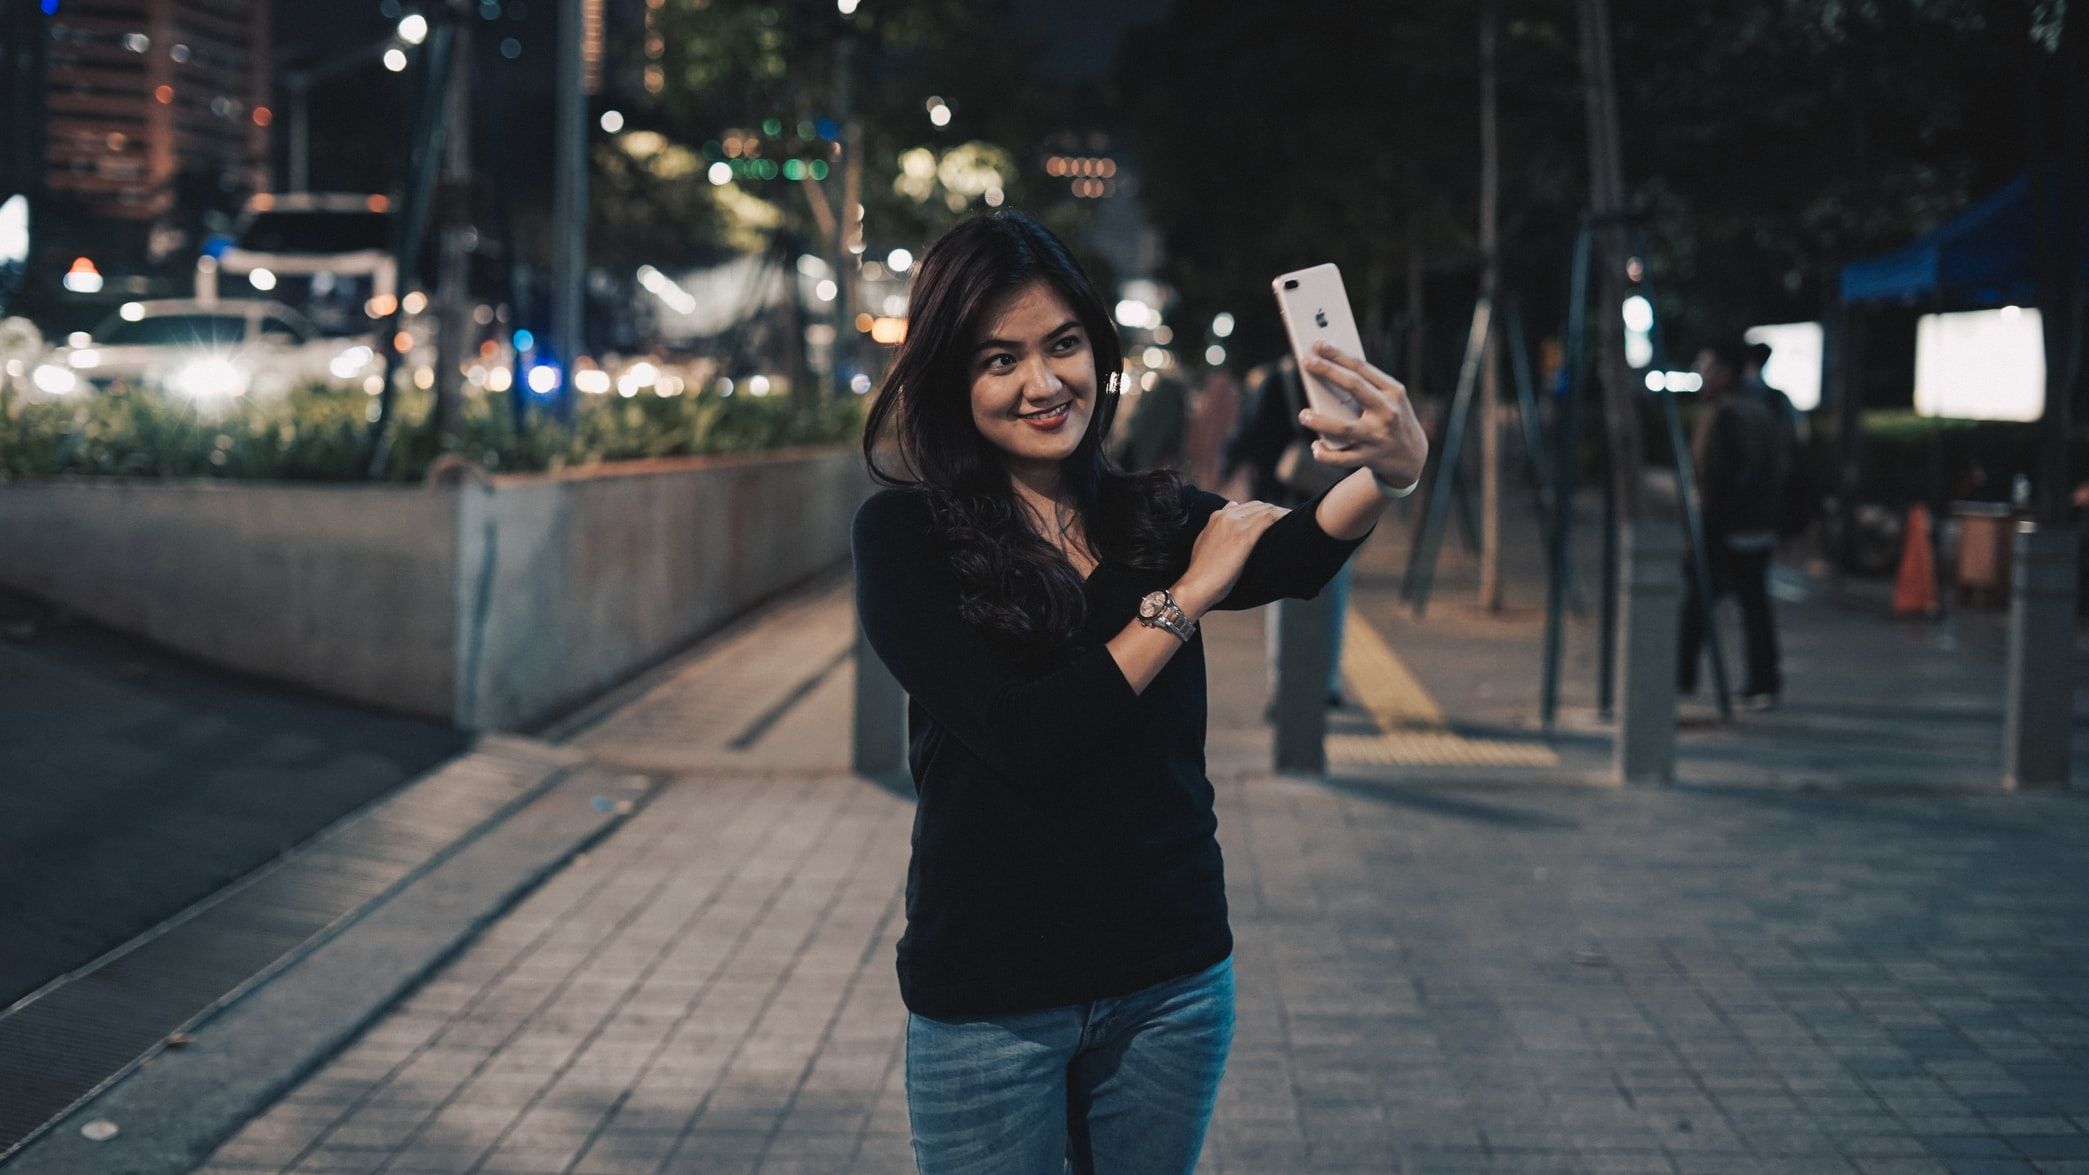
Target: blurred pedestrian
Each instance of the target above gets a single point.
(1271, 452)
(1213, 413)
(1153, 437)
(1742, 464)
(1752, 372)
(1067, 959)
(1799, 501)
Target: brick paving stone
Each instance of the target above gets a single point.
(1688, 980)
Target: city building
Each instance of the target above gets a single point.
(145, 98)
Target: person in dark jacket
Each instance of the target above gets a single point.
(1153, 436)
(1066, 964)
(1742, 459)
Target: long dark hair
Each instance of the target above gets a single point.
(1012, 582)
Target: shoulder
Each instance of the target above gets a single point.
(897, 514)
(1198, 505)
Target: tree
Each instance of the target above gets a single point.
(1767, 144)
(1274, 136)
(736, 65)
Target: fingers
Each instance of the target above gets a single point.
(1254, 514)
(1327, 454)
(1347, 378)
(1332, 363)
(1327, 426)
(1256, 517)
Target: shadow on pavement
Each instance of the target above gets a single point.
(139, 782)
(1442, 803)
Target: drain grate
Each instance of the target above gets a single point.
(64, 1042)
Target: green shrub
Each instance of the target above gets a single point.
(320, 432)
(1905, 458)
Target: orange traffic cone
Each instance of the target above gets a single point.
(1915, 593)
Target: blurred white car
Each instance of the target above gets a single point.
(327, 254)
(205, 351)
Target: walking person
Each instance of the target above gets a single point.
(1153, 438)
(1067, 961)
(1213, 413)
(1742, 461)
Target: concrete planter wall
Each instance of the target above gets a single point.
(492, 605)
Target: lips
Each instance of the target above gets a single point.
(1050, 420)
(1047, 413)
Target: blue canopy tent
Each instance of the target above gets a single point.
(1983, 258)
(1980, 259)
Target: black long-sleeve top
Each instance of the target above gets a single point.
(1064, 845)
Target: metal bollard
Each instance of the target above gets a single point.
(2037, 724)
(1303, 631)
(879, 741)
(1651, 552)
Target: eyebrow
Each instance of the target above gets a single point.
(1010, 344)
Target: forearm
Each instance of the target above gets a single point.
(1352, 508)
(1141, 650)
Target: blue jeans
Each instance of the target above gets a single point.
(1119, 1085)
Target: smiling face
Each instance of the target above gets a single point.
(1032, 375)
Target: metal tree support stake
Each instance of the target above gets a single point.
(2037, 724)
(1646, 743)
(879, 741)
(1304, 632)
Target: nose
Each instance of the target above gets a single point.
(1039, 380)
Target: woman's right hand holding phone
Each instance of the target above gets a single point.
(1221, 551)
(1386, 438)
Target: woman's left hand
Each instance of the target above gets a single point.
(1387, 438)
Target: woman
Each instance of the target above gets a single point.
(1067, 962)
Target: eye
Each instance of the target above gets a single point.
(999, 362)
(1067, 344)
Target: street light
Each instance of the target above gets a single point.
(297, 82)
(413, 28)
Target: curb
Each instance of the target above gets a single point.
(173, 1107)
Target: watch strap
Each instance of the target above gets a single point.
(1171, 618)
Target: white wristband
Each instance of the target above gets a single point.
(1389, 491)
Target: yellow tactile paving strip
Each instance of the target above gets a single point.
(1412, 730)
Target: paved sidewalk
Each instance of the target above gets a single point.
(1432, 978)
(1871, 702)
(135, 782)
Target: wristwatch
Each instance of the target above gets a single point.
(1159, 610)
(1389, 491)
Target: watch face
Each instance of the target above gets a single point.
(1150, 607)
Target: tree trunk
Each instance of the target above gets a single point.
(1490, 289)
(1417, 350)
(453, 293)
(1607, 202)
(2057, 152)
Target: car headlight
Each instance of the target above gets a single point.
(209, 379)
(53, 380)
(351, 362)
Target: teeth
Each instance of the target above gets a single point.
(1047, 414)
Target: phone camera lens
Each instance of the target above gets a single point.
(1291, 285)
